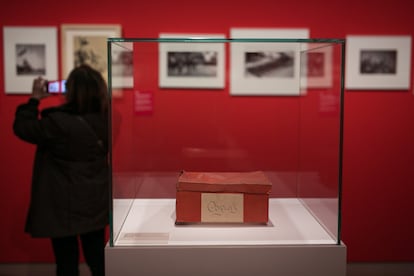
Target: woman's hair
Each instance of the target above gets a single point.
(86, 90)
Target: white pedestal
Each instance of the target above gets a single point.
(293, 244)
(306, 260)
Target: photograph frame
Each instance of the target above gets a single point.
(36, 48)
(243, 85)
(93, 36)
(318, 67)
(394, 71)
(122, 65)
(215, 80)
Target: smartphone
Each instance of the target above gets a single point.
(56, 87)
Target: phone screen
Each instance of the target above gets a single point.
(58, 86)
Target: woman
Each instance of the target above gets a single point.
(69, 197)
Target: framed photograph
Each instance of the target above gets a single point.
(86, 44)
(317, 66)
(122, 64)
(378, 62)
(29, 52)
(265, 69)
(191, 64)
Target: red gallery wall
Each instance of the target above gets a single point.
(378, 172)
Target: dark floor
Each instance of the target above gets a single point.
(380, 269)
(35, 270)
(353, 269)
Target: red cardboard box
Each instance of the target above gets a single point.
(222, 197)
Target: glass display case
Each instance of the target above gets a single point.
(203, 104)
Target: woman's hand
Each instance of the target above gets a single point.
(39, 89)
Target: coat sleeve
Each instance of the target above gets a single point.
(27, 124)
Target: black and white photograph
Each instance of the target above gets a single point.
(317, 67)
(90, 51)
(269, 64)
(316, 64)
(29, 52)
(86, 44)
(122, 65)
(196, 62)
(378, 62)
(269, 67)
(30, 59)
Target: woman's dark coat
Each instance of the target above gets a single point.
(70, 175)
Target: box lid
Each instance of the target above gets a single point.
(241, 182)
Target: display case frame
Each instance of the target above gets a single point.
(145, 164)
